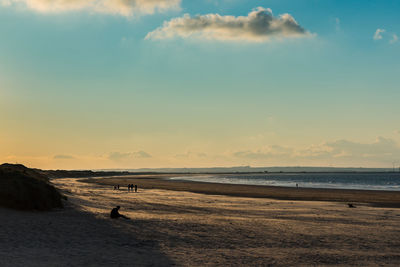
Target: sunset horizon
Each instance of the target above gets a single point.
(199, 133)
(112, 84)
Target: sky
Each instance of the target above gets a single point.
(96, 84)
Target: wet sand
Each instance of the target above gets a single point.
(161, 181)
(169, 227)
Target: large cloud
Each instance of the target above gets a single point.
(382, 150)
(120, 7)
(259, 25)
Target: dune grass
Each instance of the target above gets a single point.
(27, 189)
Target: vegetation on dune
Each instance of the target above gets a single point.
(27, 189)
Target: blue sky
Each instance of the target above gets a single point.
(85, 83)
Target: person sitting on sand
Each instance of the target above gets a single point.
(115, 214)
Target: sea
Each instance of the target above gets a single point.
(387, 181)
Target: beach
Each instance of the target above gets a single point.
(170, 227)
(164, 181)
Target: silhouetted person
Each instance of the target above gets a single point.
(135, 188)
(129, 187)
(118, 187)
(115, 214)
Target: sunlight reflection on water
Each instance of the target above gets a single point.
(364, 181)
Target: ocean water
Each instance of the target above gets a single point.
(366, 181)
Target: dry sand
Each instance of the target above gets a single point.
(189, 229)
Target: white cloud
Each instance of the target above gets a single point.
(337, 23)
(190, 154)
(395, 38)
(258, 26)
(63, 157)
(118, 7)
(378, 34)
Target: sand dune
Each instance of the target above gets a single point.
(189, 229)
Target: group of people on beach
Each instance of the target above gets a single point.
(131, 186)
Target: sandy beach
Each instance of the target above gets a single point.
(169, 227)
(162, 181)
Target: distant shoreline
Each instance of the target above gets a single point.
(159, 181)
(214, 170)
(89, 174)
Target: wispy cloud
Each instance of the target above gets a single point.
(378, 34)
(63, 157)
(141, 154)
(117, 156)
(265, 152)
(259, 25)
(117, 7)
(382, 150)
(337, 24)
(190, 154)
(394, 39)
